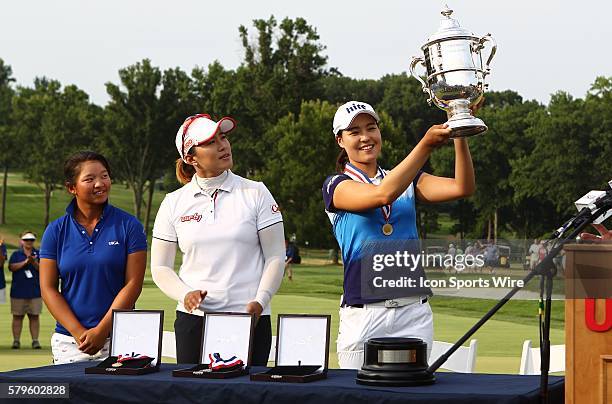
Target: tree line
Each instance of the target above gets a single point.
(531, 165)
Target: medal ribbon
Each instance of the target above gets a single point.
(133, 356)
(358, 175)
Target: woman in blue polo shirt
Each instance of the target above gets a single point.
(25, 290)
(98, 253)
(369, 206)
(3, 258)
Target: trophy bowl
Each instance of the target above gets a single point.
(455, 73)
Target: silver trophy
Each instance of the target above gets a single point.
(455, 73)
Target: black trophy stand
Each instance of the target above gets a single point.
(547, 270)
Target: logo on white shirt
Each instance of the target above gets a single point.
(115, 242)
(196, 216)
(275, 209)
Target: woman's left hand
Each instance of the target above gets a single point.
(254, 308)
(92, 341)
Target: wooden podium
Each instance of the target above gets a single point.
(588, 323)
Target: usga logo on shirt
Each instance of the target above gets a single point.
(196, 216)
(113, 242)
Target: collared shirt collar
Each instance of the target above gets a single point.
(226, 186)
(72, 207)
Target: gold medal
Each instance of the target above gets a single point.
(387, 229)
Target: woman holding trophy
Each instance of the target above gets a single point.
(230, 232)
(366, 202)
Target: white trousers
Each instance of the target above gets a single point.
(357, 325)
(66, 350)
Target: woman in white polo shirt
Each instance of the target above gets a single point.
(230, 232)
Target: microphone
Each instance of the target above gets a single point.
(587, 205)
(594, 200)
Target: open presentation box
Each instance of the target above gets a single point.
(133, 332)
(228, 334)
(302, 349)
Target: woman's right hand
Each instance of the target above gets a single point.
(193, 299)
(436, 136)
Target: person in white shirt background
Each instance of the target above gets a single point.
(230, 232)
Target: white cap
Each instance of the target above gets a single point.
(198, 129)
(28, 236)
(346, 113)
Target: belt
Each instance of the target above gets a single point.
(391, 303)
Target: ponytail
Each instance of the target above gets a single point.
(341, 161)
(184, 171)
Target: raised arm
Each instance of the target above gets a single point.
(357, 196)
(432, 189)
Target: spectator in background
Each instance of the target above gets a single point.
(2, 280)
(542, 251)
(491, 255)
(533, 254)
(289, 256)
(452, 251)
(469, 252)
(25, 289)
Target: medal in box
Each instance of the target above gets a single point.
(135, 346)
(302, 349)
(225, 351)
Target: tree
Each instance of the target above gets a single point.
(282, 67)
(558, 167)
(7, 135)
(598, 111)
(507, 117)
(55, 123)
(304, 153)
(141, 121)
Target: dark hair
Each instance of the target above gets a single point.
(342, 158)
(341, 161)
(184, 171)
(72, 165)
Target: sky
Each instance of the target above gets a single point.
(543, 45)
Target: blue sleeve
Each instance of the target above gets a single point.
(329, 186)
(416, 179)
(3, 250)
(48, 245)
(137, 239)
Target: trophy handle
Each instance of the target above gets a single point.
(480, 45)
(416, 60)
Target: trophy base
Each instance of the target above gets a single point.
(395, 362)
(466, 127)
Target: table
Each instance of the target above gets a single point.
(338, 388)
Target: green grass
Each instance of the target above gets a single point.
(500, 340)
(316, 288)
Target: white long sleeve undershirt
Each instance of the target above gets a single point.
(272, 241)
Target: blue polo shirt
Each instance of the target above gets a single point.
(24, 287)
(92, 268)
(2, 253)
(354, 231)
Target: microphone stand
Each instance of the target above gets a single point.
(546, 269)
